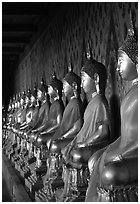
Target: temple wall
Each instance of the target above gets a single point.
(103, 25)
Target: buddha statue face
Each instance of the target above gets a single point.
(21, 102)
(9, 108)
(126, 67)
(51, 91)
(27, 100)
(67, 89)
(39, 95)
(87, 83)
(13, 105)
(33, 99)
(18, 104)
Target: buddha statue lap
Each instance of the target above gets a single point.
(115, 169)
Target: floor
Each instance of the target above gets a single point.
(5, 193)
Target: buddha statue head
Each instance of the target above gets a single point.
(34, 96)
(10, 105)
(71, 83)
(93, 75)
(42, 91)
(22, 99)
(28, 97)
(55, 88)
(13, 102)
(128, 56)
(18, 100)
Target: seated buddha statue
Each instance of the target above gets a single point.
(9, 112)
(47, 129)
(32, 113)
(26, 101)
(8, 139)
(6, 123)
(15, 127)
(95, 132)
(29, 115)
(15, 109)
(12, 124)
(22, 121)
(72, 117)
(44, 106)
(22, 112)
(70, 124)
(115, 168)
(41, 118)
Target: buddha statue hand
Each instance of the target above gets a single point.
(121, 172)
(83, 152)
(34, 131)
(80, 145)
(54, 148)
(49, 143)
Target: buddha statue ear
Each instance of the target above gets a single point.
(96, 80)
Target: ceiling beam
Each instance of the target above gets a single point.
(7, 64)
(16, 27)
(15, 40)
(24, 8)
(9, 57)
(12, 50)
(6, 54)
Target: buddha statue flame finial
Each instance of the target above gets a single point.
(54, 75)
(89, 51)
(131, 29)
(69, 66)
(42, 81)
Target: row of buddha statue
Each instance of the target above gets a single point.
(62, 148)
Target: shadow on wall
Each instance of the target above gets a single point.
(114, 104)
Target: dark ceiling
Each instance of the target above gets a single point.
(22, 23)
